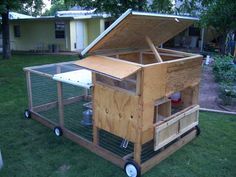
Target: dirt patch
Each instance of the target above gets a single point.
(209, 92)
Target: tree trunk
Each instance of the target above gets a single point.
(6, 52)
(222, 41)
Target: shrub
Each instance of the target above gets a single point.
(224, 70)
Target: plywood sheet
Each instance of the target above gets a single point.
(116, 112)
(132, 30)
(108, 66)
(183, 74)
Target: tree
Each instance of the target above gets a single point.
(114, 7)
(57, 5)
(29, 6)
(220, 14)
(162, 6)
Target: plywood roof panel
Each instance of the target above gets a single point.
(131, 30)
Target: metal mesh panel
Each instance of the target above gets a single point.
(73, 112)
(44, 96)
(113, 143)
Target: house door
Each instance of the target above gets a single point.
(79, 35)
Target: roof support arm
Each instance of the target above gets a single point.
(154, 50)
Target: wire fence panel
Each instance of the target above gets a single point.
(73, 112)
(113, 143)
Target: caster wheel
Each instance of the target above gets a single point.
(198, 130)
(27, 114)
(58, 131)
(132, 169)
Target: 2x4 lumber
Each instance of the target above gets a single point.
(95, 129)
(30, 68)
(176, 52)
(60, 104)
(47, 106)
(165, 54)
(29, 90)
(153, 48)
(43, 120)
(167, 152)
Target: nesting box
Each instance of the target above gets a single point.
(142, 95)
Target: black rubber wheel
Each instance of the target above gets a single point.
(198, 130)
(132, 169)
(27, 114)
(58, 131)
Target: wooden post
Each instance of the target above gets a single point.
(60, 104)
(95, 129)
(29, 90)
(154, 50)
(141, 57)
(60, 100)
(202, 39)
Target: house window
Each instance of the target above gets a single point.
(60, 30)
(17, 30)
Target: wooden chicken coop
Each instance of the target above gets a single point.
(143, 99)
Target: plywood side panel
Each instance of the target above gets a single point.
(116, 112)
(183, 74)
(154, 86)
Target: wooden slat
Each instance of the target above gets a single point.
(108, 66)
(47, 106)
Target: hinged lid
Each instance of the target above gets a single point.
(130, 29)
(108, 66)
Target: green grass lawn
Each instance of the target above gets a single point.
(30, 149)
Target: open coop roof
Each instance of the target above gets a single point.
(131, 28)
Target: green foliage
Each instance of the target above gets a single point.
(225, 73)
(221, 14)
(162, 6)
(31, 7)
(224, 69)
(114, 7)
(57, 5)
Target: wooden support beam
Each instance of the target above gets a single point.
(60, 104)
(29, 90)
(154, 50)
